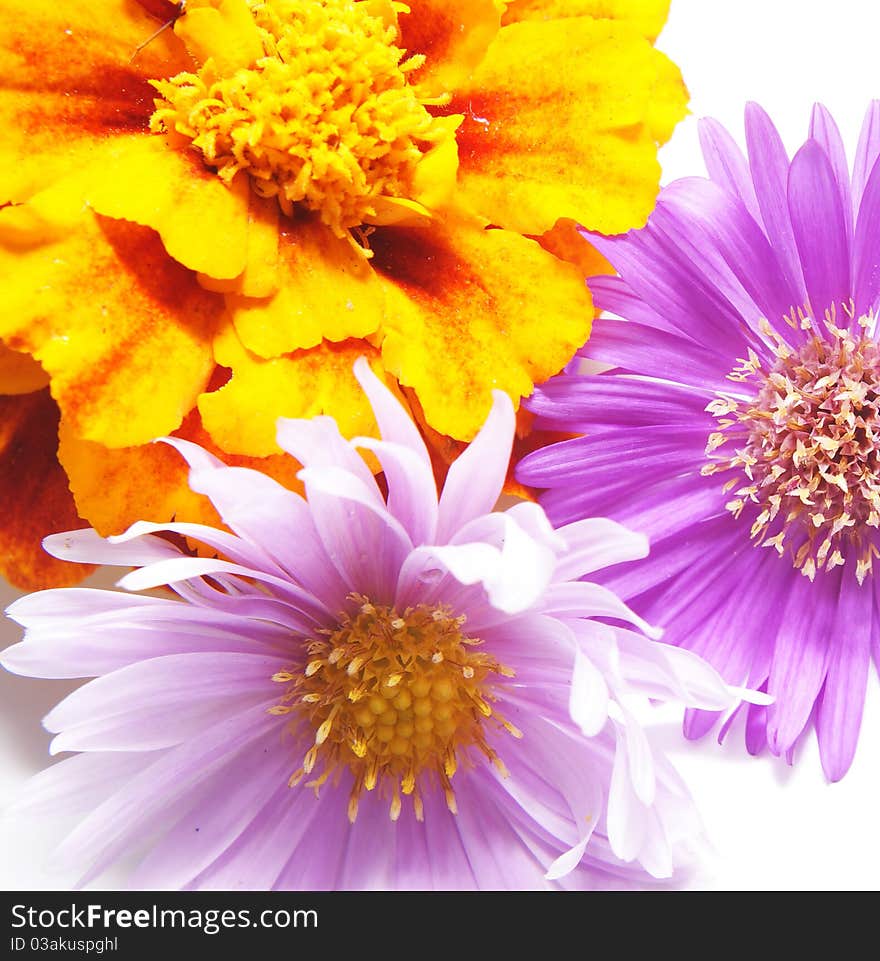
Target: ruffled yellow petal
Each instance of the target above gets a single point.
(34, 497)
(115, 488)
(70, 80)
(470, 310)
(260, 275)
(561, 120)
(647, 16)
(241, 416)
(123, 330)
(452, 34)
(203, 222)
(666, 107)
(327, 291)
(20, 373)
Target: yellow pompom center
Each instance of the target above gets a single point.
(321, 114)
(401, 699)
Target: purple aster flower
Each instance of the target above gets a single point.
(736, 421)
(363, 691)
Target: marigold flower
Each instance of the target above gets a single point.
(370, 691)
(739, 424)
(204, 228)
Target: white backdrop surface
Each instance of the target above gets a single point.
(769, 826)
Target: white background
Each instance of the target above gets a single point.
(770, 826)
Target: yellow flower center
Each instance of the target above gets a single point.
(399, 699)
(321, 115)
(809, 446)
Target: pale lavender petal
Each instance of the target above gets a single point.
(594, 543)
(263, 512)
(159, 702)
(667, 672)
(593, 600)
(317, 861)
(627, 827)
(819, 228)
(449, 865)
(317, 443)
(589, 698)
(256, 858)
(59, 648)
(88, 547)
(77, 784)
(178, 777)
(395, 425)
(185, 568)
(371, 855)
(205, 833)
(412, 493)
(474, 482)
(514, 577)
(235, 548)
(531, 518)
(639, 758)
(364, 542)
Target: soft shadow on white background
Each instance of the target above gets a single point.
(771, 826)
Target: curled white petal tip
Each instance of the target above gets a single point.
(750, 696)
(567, 862)
(59, 545)
(363, 371)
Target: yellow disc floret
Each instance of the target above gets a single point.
(400, 699)
(324, 116)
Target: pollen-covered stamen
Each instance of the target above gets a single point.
(401, 699)
(325, 117)
(808, 443)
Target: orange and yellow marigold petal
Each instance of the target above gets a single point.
(327, 291)
(203, 222)
(241, 416)
(71, 78)
(20, 373)
(124, 331)
(35, 499)
(470, 310)
(115, 488)
(561, 120)
(647, 16)
(453, 35)
(566, 242)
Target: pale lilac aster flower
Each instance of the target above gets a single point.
(736, 421)
(367, 691)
